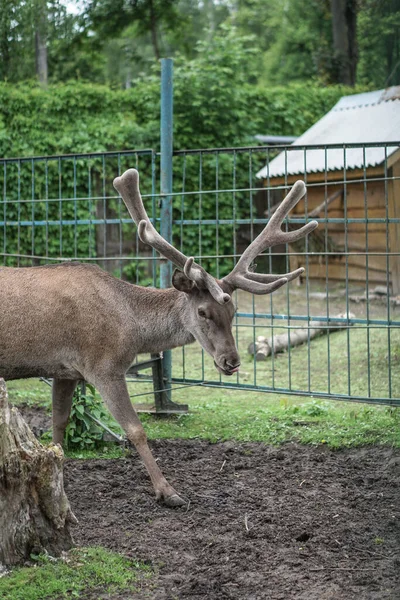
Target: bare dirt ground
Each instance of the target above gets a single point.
(283, 523)
(289, 523)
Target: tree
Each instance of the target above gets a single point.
(379, 42)
(294, 38)
(344, 23)
(41, 27)
(110, 18)
(27, 30)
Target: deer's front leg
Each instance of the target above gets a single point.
(115, 395)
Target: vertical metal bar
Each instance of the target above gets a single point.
(199, 242)
(90, 209)
(181, 245)
(326, 245)
(75, 212)
(366, 272)
(306, 249)
(287, 264)
(120, 232)
(387, 220)
(270, 268)
(235, 250)
(46, 172)
(4, 210)
(346, 249)
(19, 213)
(33, 209)
(217, 221)
(253, 304)
(103, 165)
(137, 250)
(60, 208)
(154, 213)
(166, 187)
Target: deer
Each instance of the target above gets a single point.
(73, 322)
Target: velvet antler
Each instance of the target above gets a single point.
(241, 277)
(128, 186)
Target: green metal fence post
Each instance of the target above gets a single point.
(164, 403)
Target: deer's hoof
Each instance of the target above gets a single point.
(172, 501)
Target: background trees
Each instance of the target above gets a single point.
(114, 41)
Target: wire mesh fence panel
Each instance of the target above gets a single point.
(346, 307)
(65, 208)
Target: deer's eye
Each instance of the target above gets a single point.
(203, 313)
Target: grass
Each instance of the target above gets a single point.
(81, 570)
(31, 392)
(223, 414)
(227, 415)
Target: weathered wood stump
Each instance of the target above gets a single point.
(34, 510)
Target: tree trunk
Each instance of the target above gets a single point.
(153, 28)
(34, 510)
(344, 23)
(264, 347)
(41, 43)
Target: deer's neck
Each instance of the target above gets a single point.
(159, 319)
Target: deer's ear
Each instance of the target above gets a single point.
(181, 282)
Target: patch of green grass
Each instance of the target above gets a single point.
(29, 391)
(218, 415)
(225, 414)
(83, 569)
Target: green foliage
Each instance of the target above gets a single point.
(311, 409)
(82, 432)
(66, 118)
(79, 572)
(294, 40)
(379, 42)
(114, 41)
(214, 106)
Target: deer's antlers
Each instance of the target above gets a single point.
(241, 277)
(128, 186)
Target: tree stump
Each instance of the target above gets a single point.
(34, 510)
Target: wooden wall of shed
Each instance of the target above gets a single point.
(363, 200)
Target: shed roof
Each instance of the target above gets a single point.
(367, 118)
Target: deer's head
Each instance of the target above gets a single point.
(209, 306)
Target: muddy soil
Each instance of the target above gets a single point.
(289, 523)
(38, 419)
(285, 523)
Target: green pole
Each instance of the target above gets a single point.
(166, 188)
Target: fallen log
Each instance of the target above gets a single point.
(264, 347)
(34, 510)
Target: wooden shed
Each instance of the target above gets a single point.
(353, 189)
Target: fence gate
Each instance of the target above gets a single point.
(65, 208)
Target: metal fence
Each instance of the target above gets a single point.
(65, 208)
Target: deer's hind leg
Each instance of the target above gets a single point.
(116, 397)
(62, 393)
